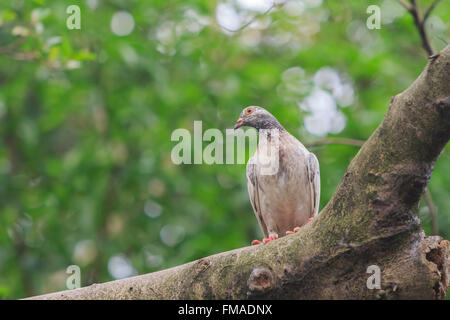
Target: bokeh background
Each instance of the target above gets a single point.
(86, 117)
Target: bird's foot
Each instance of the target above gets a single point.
(296, 229)
(265, 240)
(272, 237)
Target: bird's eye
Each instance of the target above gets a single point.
(249, 110)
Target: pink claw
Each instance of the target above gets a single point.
(271, 238)
(294, 231)
(256, 242)
(265, 240)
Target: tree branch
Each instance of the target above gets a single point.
(368, 221)
(427, 13)
(326, 141)
(419, 22)
(358, 143)
(405, 4)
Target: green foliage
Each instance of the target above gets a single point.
(86, 118)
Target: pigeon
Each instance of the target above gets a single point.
(286, 198)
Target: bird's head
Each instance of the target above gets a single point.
(258, 118)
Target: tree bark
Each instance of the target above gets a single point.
(368, 221)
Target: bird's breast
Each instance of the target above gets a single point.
(285, 194)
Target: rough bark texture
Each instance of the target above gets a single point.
(369, 221)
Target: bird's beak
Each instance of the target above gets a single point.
(238, 123)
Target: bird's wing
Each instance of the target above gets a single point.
(254, 193)
(314, 182)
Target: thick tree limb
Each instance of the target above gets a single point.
(368, 221)
(358, 143)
